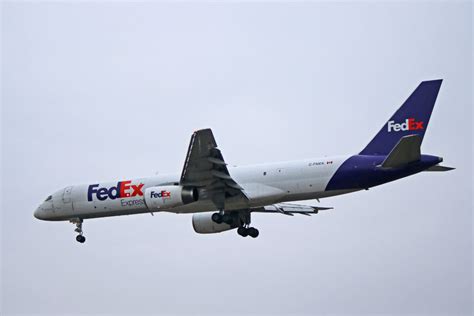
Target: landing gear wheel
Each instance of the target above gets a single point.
(242, 231)
(253, 232)
(217, 218)
(79, 238)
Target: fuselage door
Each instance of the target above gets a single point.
(67, 195)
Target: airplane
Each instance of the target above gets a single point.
(223, 198)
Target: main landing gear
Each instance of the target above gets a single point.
(79, 238)
(247, 231)
(237, 219)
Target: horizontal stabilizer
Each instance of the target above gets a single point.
(439, 168)
(406, 151)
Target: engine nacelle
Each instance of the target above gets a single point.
(169, 196)
(203, 224)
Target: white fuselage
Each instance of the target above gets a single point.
(263, 184)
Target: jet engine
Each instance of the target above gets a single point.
(169, 196)
(203, 224)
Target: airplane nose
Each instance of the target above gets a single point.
(39, 213)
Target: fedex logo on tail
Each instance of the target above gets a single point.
(410, 124)
(162, 194)
(124, 189)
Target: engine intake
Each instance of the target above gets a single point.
(169, 196)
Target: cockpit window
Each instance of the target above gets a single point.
(48, 198)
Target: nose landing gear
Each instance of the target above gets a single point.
(79, 238)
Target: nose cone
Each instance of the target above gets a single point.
(39, 213)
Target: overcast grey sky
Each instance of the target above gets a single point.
(97, 91)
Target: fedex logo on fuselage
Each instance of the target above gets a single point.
(410, 124)
(124, 189)
(162, 194)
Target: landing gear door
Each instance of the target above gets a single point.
(67, 195)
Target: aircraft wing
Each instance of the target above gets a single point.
(206, 169)
(291, 209)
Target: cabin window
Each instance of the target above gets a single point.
(264, 173)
